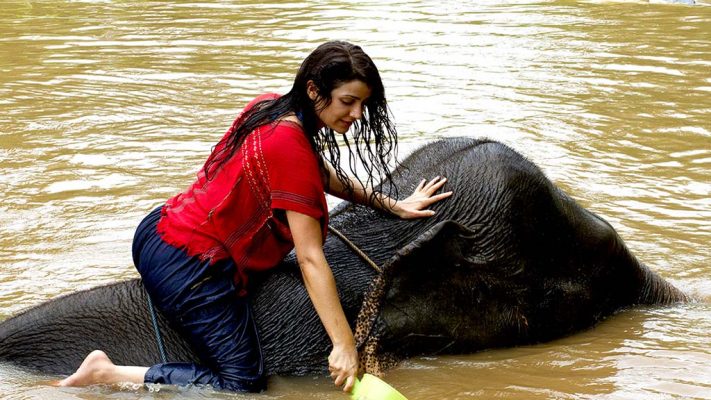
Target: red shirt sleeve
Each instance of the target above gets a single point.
(294, 173)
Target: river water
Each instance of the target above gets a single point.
(109, 107)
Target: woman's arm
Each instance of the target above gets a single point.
(414, 206)
(321, 286)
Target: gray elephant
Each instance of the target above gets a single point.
(508, 260)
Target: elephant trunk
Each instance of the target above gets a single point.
(656, 290)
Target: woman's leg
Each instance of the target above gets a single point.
(221, 330)
(219, 327)
(98, 368)
(201, 301)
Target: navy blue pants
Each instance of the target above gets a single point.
(200, 301)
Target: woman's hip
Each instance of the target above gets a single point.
(176, 281)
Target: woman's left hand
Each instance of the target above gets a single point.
(415, 206)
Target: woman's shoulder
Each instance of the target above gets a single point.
(284, 143)
(261, 98)
(286, 135)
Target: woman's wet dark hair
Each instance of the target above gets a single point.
(374, 139)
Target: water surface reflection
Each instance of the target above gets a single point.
(110, 107)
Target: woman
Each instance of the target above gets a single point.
(259, 195)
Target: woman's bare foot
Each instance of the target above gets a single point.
(96, 368)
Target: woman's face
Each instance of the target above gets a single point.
(346, 105)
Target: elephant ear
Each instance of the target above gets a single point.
(425, 301)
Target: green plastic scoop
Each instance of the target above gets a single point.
(373, 388)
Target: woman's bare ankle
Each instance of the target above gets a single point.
(96, 368)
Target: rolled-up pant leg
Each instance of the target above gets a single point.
(200, 300)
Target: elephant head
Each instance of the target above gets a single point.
(527, 264)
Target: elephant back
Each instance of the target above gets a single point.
(55, 336)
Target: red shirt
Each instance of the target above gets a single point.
(233, 214)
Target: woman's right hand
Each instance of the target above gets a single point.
(343, 365)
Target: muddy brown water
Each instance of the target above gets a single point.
(109, 107)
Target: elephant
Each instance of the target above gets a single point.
(508, 260)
